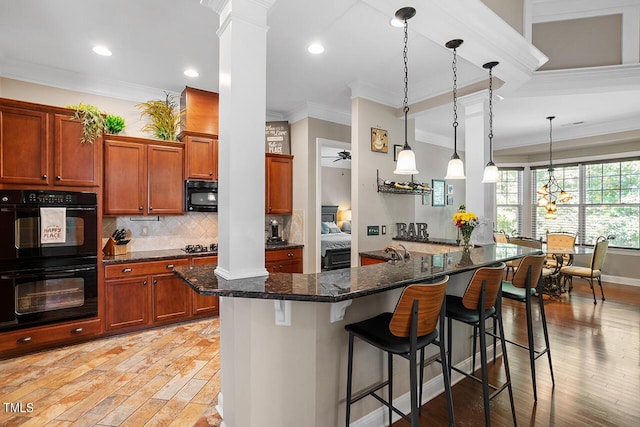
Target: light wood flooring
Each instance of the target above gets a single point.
(170, 376)
(162, 377)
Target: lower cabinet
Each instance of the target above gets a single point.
(145, 293)
(284, 260)
(27, 340)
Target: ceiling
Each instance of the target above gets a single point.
(153, 41)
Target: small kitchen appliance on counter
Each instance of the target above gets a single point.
(274, 238)
(198, 249)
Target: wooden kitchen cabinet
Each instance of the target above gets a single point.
(279, 184)
(284, 260)
(141, 294)
(143, 177)
(204, 305)
(365, 260)
(40, 146)
(201, 156)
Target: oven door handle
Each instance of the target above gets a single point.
(48, 274)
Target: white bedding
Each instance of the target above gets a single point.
(334, 241)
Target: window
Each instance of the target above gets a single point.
(606, 202)
(509, 201)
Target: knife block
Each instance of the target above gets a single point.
(112, 248)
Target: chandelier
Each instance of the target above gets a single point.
(551, 192)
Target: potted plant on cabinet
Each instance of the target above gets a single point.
(113, 124)
(92, 119)
(165, 117)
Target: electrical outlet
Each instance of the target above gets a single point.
(373, 230)
(145, 231)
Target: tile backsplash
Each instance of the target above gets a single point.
(169, 232)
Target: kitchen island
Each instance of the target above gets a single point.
(283, 344)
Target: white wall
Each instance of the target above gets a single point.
(336, 187)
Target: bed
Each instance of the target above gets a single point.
(335, 246)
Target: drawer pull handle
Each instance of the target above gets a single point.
(144, 283)
(44, 176)
(169, 266)
(150, 208)
(289, 254)
(155, 282)
(58, 177)
(77, 330)
(24, 340)
(140, 208)
(127, 270)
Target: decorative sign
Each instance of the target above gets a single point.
(412, 231)
(277, 138)
(438, 194)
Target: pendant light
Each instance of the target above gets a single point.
(491, 170)
(406, 164)
(455, 169)
(550, 191)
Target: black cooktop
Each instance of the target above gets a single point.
(196, 249)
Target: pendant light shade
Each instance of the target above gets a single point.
(406, 158)
(491, 170)
(455, 169)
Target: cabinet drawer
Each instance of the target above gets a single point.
(283, 254)
(142, 268)
(39, 337)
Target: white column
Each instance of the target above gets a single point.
(241, 160)
(480, 198)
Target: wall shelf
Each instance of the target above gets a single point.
(394, 187)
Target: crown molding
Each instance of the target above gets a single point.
(69, 80)
(551, 10)
(318, 111)
(433, 139)
(370, 92)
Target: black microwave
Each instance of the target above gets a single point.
(201, 196)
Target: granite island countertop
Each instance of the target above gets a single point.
(345, 284)
(157, 255)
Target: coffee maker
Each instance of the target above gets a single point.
(275, 238)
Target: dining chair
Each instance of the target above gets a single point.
(594, 271)
(500, 237)
(560, 243)
(512, 266)
(410, 328)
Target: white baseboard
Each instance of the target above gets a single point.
(621, 280)
(431, 389)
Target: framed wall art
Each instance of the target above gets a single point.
(379, 140)
(438, 192)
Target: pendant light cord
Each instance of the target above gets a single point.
(490, 115)
(406, 83)
(550, 142)
(454, 67)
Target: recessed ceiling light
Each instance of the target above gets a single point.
(315, 48)
(102, 50)
(190, 72)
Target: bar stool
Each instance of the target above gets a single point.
(521, 288)
(411, 327)
(476, 306)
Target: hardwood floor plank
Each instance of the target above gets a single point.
(144, 413)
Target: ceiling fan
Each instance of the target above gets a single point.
(342, 155)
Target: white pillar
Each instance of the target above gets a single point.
(480, 198)
(241, 160)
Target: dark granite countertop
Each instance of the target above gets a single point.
(386, 257)
(432, 240)
(345, 284)
(139, 256)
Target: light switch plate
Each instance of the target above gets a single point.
(373, 230)
(383, 230)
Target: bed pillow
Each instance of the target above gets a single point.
(324, 228)
(333, 228)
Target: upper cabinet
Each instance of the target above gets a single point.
(201, 155)
(143, 177)
(40, 145)
(200, 111)
(279, 184)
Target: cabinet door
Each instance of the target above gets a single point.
(279, 184)
(24, 142)
(171, 298)
(166, 185)
(125, 178)
(126, 303)
(202, 158)
(75, 164)
(204, 304)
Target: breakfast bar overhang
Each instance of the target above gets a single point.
(283, 344)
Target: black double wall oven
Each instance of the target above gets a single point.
(48, 257)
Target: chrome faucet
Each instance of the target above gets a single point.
(406, 254)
